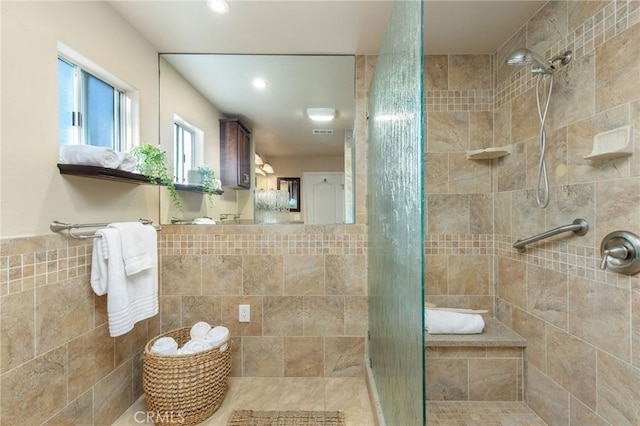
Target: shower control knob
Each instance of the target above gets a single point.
(621, 252)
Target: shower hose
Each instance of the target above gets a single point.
(542, 200)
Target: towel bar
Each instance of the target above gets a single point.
(57, 226)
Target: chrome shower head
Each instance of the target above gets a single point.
(541, 66)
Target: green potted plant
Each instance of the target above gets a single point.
(210, 185)
(152, 163)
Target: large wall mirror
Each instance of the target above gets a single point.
(275, 97)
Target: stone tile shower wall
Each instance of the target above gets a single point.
(305, 284)
(459, 199)
(58, 364)
(582, 324)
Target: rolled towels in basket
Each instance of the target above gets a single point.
(199, 330)
(193, 346)
(165, 346)
(445, 322)
(87, 155)
(217, 336)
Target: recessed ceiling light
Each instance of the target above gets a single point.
(259, 83)
(218, 6)
(321, 114)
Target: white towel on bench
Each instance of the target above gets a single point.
(444, 322)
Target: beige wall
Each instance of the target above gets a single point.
(177, 97)
(57, 362)
(32, 190)
(582, 362)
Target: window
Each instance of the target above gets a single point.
(188, 148)
(185, 148)
(92, 110)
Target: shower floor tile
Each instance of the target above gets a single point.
(481, 413)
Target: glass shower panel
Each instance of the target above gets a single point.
(396, 219)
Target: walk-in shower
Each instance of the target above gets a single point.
(541, 67)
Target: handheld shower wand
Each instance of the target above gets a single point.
(540, 67)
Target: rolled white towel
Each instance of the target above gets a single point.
(445, 322)
(199, 330)
(127, 162)
(87, 155)
(203, 221)
(193, 346)
(165, 346)
(217, 336)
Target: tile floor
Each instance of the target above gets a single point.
(347, 394)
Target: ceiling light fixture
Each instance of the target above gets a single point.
(321, 114)
(218, 6)
(266, 167)
(258, 160)
(259, 171)
(259, 83)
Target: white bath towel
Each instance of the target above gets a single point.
(217, 336)
(193, 346)
(139, 243)
(87, 155)
(165, 346)
(99, 266)
(199, 330)
(444, 322)
(130, 298)
(127, 162)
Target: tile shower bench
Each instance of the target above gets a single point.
(478, 367)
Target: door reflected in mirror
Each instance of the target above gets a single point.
(202, 89)
(292, 185)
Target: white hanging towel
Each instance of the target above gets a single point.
(138, 245)
(130, 298)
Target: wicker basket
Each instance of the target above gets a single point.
(184, 389)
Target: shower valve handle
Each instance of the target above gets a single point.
(618, 252)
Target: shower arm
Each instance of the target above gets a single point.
(579, 227)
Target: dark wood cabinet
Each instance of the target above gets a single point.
(235, 154)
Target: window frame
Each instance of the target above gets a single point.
(126, 100)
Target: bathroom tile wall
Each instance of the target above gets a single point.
(459, 199)
(582, 362)
(305, 284)
(58, 364)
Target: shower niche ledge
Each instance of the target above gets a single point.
(488, 153)
(612, 144)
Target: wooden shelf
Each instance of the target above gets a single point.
(194, 188)
(96, 172)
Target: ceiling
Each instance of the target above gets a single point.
(330, 27)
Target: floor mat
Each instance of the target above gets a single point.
(286, 418)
